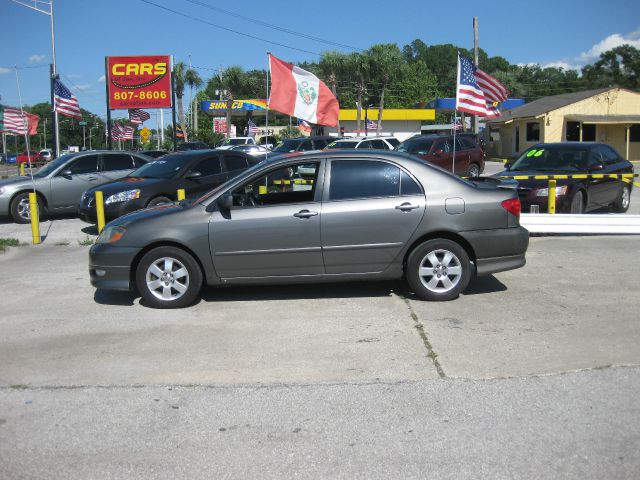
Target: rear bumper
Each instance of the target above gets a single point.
(110, 266)
(498, 250)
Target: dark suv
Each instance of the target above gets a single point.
(302, 144)
(438, 149)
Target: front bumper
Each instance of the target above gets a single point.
(110, 266)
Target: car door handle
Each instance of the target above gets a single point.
(305, 214)
(407, 207)
(92, 179)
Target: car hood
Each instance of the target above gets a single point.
(152, 212)
(126, 183)
(15, 181)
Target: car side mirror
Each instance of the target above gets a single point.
(225, 202)
(66, 174)
(595, 167)
(507, 166)
(193, 175)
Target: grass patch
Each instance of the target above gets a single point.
(19, 386)
(86, 242)
(8, 242)
(62, 244)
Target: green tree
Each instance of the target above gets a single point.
(332, 65)
(193, 80)
(384, 62)
(180, 75)
(617, 67)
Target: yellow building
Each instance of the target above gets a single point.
(609, 115)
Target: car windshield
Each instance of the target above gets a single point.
(554, 158)
(167, 166)
(287, 146)
(233, 141)
(51, 167)
(342, 144)
(415, 146)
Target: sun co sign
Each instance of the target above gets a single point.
(139, 82)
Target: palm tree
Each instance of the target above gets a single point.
(357, 65)
(383, 61)
(192, 79)
(179, 73)
(232, 81)
(332, 64)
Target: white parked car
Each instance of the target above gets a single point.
(228, 143)
(375, 143)
(46, 155)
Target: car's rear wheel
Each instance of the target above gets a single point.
(474, 170)
(621, 205)
(438, 270)
(577, 202)
(168, 277)
(154, 202)
(20, 211)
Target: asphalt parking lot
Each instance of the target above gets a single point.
(550, 350)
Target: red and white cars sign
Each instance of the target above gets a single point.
(139, 82)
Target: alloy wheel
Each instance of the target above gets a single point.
(167, 279)
(440, 271)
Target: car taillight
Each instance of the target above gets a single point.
(512, 206)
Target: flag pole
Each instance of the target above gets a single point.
(455, 110)
(266, 150)
(25, 125)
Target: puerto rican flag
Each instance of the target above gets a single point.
(301, 94)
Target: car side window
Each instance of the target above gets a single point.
(116, 161)
(379, 145)
(278, 187)
(208, 166)
(306, 146)
(319, 143)
(85, 164)
(235, 162)
(609, 156)
(408, 186)
(460, 145)
(138, 162)
(351, 179)
(365, 144)
(595, 157)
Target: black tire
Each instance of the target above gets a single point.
(19, 208)
(175, 288)
(621, 205)
(154, 202)
(438, 259)
(577, 202)
(474, 170)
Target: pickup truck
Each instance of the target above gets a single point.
(32, 156)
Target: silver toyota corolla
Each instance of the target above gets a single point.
(352, 216)
(60, 183)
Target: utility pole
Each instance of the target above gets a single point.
(474, 119)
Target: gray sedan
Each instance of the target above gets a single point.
(60, 183)
(360, 215)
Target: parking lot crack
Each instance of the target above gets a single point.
(425, 339)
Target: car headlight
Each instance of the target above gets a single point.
(2, 190)
(544, 192)
(111, 234)
(123, 196)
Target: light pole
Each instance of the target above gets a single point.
(53, 60)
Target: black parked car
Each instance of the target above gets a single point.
(302, 144)
(184, 146)
(154, 153)
(573, 195)
(157, 182)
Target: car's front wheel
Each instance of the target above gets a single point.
(168, 277)
(438, 270)
(474, 170)
(20, 211)
(156, 201)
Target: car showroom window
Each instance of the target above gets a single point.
(208, 166)
(235, 162)
(116, 161)
(634, 133)
(278, 187)
(352, 179)
(86, 164)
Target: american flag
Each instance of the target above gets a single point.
(121, 132)
(372, 125)
(138, 116)
(304, 126)
(478, 92)
(253, 128)
(65, 102)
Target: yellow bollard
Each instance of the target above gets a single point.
(35, 220)
(22, 169)
(100, 210)
(552, 196)
(181, 194)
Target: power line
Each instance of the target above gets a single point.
(228, 29)
(272, 26)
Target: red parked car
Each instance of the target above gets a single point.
(31, 156)
(438, 149)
